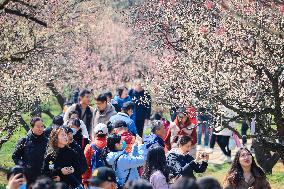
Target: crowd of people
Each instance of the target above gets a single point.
(105, 148)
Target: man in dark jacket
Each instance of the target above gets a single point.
(142, 108)
(83, 108)
(30, 150)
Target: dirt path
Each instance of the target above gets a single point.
(216, 156)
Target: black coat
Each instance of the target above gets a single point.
(30, 152)
(78, 137)
(142, 104)
(75, 146)
(184, 165)
(65, 157)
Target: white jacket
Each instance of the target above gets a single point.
(84, 129)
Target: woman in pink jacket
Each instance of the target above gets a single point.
(156, 170)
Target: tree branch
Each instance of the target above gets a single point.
(3, 4)
(23, 123)
(247, 21)
(48, 112)
(25, 4)
(29, 17)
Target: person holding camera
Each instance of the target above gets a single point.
(62, 163)
(181, 163)
(17, 178)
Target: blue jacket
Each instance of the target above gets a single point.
(153, 139)
(124, 117)
(126, 162)
(142, 107)
(120, 101)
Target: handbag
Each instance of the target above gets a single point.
(237, 140)
(232, 143)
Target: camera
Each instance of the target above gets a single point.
(15, 171)
(19, 170)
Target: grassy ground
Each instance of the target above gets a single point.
(217, 171)
(8, 148)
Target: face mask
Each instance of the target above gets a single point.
(123, 145)
(22, 186)
(74, 131)
(101, 142)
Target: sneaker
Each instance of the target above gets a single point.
(209, 150)
(227, 159)
(199, 147)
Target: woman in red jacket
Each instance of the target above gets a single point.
(180, 127)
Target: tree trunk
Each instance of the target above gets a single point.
(48, 112)
(23, 123)
(57, 94)
(278, 116)
(10, 131)
(264, 158)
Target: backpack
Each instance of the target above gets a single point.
(97, 159)
(115, 168)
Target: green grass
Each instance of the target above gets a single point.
(7, 149)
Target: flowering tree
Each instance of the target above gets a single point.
(48, 46)
(221, 52)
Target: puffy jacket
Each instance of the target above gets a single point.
(121, 101)
(153, 139)
(184, 165)
(30, 152)
(104, 116)
(125, 162)
(124, 117)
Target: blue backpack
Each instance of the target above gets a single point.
(97, 159)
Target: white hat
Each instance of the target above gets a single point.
(101, 129)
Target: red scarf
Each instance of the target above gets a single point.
(101, 142)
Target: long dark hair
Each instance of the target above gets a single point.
(236, 174)
(156, 160)
(111, 141)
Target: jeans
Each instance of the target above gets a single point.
(206, 133)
